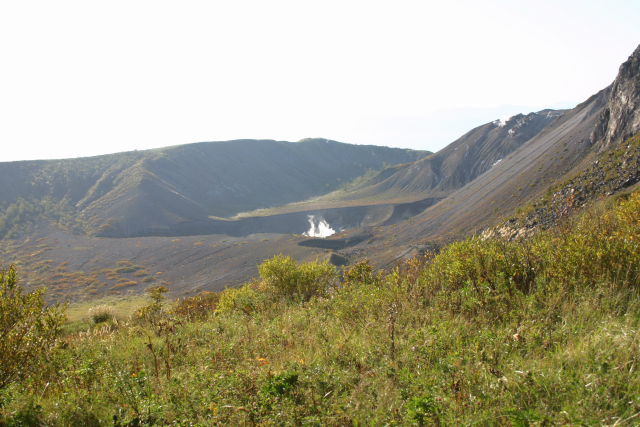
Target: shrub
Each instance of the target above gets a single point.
(421, 409)
(154, 308)
(243, 299)
(360, 273)
(29, 415)
(281, 384)
(140, 273)
(101, 313)
(196, 307)
(124, 283)
(595, 249)
(28, 328)
(283, 277)
(128, 269)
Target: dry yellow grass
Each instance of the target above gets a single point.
(125, 305)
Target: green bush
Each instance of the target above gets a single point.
(597, 248)
(281, 384)
(101, 313)
(28, 328)
(360, 273)
(282, 277)
(422, 409)
(28, 416)
(243, 299)
(154, 308)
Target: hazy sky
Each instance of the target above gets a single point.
(84, 78)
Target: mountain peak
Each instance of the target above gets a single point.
(621, 117)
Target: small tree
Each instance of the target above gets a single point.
(156, 293)
(154, 309)
(28, 328)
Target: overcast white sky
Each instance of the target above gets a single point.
(85, 78)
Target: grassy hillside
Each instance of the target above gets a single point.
(542, 331)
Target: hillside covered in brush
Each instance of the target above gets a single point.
(536, 331)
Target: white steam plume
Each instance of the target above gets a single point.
(503, 120)
(319, 228)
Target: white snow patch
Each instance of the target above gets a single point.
(319, 228)
(499, 160)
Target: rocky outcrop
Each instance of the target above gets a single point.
(613, 173)
(621, 118)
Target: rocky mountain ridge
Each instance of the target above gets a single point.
(613, 175)
(621, 116)
(451, 168)
(562, 150)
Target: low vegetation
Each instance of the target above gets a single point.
(542, 331)
(55, 190)
(28, 329)
(101, 313)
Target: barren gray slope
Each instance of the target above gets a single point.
(521, 175)
(518, 177)
(457, 164)
(560, 150)
(135, 193)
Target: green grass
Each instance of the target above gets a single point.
(543, 331)
(124, 305)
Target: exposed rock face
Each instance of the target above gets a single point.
(614, 172)
(621, 117)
